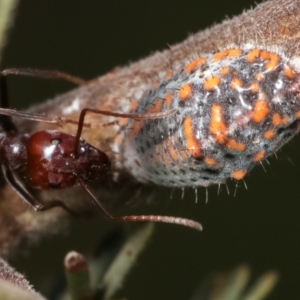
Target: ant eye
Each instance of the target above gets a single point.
(56, 141)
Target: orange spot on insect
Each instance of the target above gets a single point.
(137, 125)
(269, 134)
(254, 87)
(217, 126)
(253, 55)
(133, 105)
(285, 120)
(209, 161)
(168, 99)
(288, 72)
(168, 75)
(185, 92)
(259, 77)
(260, 111)
(192, 144)
(228, 53)
(272, 58)
(277, 120)
(211, 83)
(297, 114)
(224, 71)
(157, 106)
(236, 83)
(119, 139)
(234, 145)
(171, 150)
(259, 156)
(238, 175)
(123, 122)
(194, 64)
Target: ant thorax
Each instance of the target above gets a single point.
(53, 163)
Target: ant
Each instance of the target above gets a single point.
(56, 160)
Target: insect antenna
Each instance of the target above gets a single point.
(141, 218)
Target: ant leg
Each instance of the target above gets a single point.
(5, 121)
(15, 183)
(141, 218)
(45, 74)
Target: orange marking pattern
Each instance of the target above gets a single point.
(254, 87)
(228, 53)
(211, 83)
(233, 108)
(259, 156)
(277, 120)
(260, 111)
(217, 127)
(137, 125)
(185, 92)
(297, 114)
(272, 58)
(192, 144)
(119, 139)
(168, 99)
(288, 72)
(234, 145)
(224, 71)
(194, 64)
(123, 122)
(238, 175)
(171, 150)
(269, 134)
(209, 161)
(236, 83)
(259, 77)
(253, 55)
(157, 106)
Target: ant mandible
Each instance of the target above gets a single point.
(56, 160)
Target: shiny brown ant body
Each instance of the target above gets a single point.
(56, 160)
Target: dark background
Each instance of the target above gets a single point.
(259, 226)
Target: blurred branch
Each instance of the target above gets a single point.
(7, 10)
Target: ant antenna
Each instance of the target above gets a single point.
(45, 74)
(141, 218)
(115, 114)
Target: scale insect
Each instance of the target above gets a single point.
(56, 160)
(234, 109)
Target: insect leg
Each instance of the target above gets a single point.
(18, 187)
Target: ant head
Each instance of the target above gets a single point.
(90, 162)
